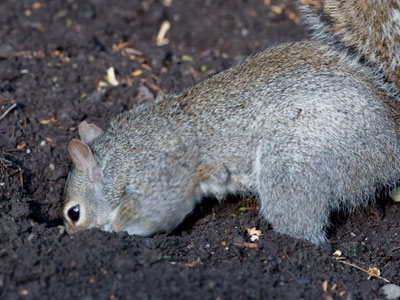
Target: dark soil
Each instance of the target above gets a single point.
(53, 56)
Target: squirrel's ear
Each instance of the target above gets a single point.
(89, 131)
(83, 159)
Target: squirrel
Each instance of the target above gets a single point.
(308, 128)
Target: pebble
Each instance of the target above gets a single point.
(391, 291)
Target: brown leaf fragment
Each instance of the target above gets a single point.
(246, 245)
(146, 67)
(137, 73)
(36, 5)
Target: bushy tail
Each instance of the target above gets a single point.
(367, 29)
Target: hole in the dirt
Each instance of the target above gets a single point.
(341, 217)
(99, 44)
(201, 210)
(382, 202)
(37, 215)
(206, 208)
(168, 59)
(337, 219)
(8, 87)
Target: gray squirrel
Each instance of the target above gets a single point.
(308, 127)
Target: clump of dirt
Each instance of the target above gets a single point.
(54, 57)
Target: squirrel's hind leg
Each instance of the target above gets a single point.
(293, 198)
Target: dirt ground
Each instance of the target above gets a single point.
(54, 57)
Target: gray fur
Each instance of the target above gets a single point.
(306, 132)
(366, 30)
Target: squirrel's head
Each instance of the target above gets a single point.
(99, 194)
(80, 201)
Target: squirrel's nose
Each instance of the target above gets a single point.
(74, 213)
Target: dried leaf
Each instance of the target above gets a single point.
(101, 85)
(137, 73)
(277, 9)
(146, 67)
(373, 272)
(167, 3)
(36, 5)
(110, 77)
(337, 253)
(187, 58)
(161, 40)
(254, 234)
(246, 245)
(325, 286)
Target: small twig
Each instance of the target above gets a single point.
(21, 177)
(285, 253)
(4, 163)
(7, 111)
(395, 249)
(11, 150)
(361, 269)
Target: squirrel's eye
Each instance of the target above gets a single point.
(73, 213)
